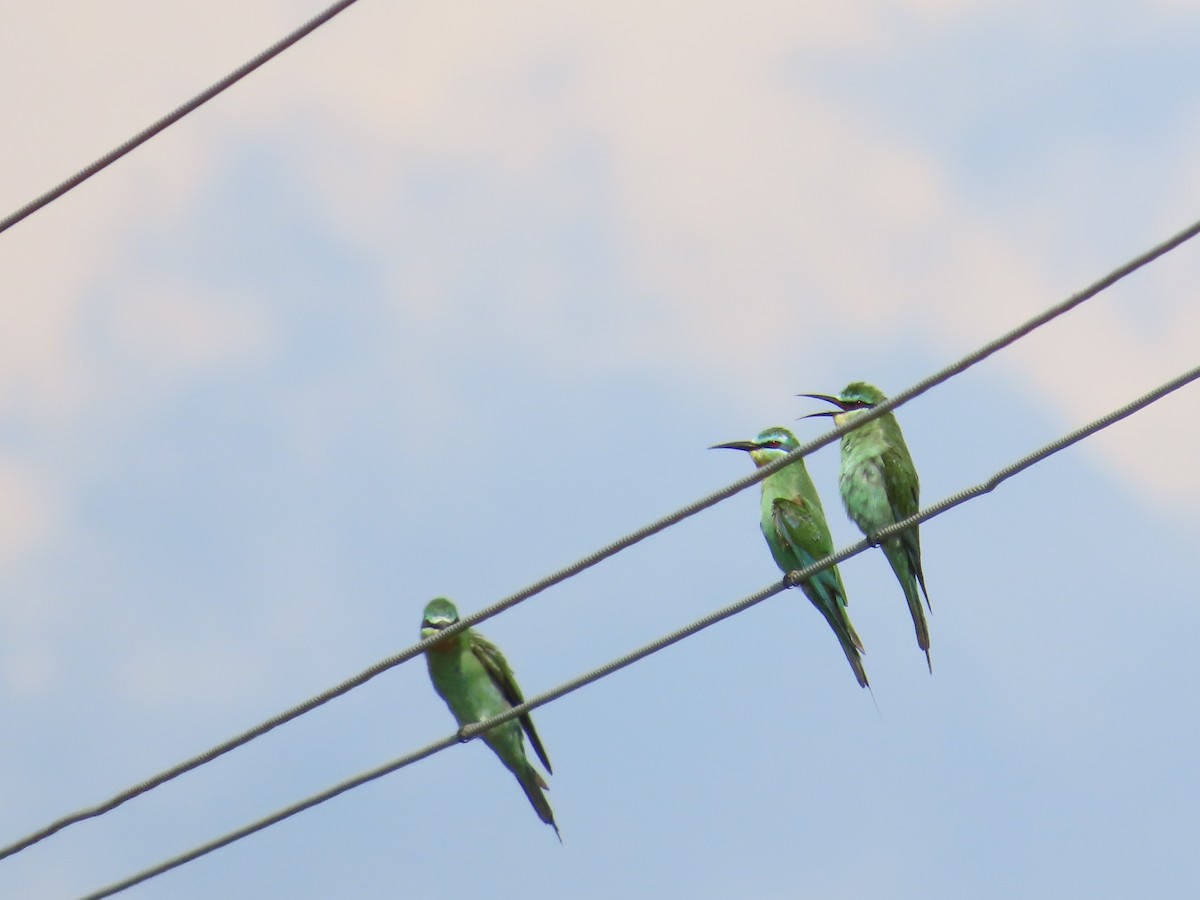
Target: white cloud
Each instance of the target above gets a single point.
(753, 210)
(756, 217)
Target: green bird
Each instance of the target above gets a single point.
(794, 525)
(472, 676)
(880, 487)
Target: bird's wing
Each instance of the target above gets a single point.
(808, 541)
(497, 668)
(903, 494)
(900, 483)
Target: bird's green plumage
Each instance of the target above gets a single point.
(797, 534)
(471, 674)
(879, 487)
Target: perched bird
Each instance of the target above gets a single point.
(472, 676)
(880, 487)
(794, 525)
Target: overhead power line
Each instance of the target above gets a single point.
(174, 116)
(603, 553)
(471, 731)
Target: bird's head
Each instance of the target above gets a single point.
(855, 396)
(439, 613)
(770, 444)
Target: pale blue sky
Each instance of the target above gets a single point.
(448, 297)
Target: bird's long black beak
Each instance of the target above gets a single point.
(841, 407)
(836, 401)
(736, 445)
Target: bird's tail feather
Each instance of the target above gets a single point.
(833, 607)
(913, 548)
(533, 784)
(908, 573)
(852, 647)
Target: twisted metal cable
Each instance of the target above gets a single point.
(463, 735)
(473, 730)
(174, 116)
(603, 553)
(279, 816)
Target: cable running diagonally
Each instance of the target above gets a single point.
(603, 553)
(174, 116)
(469, 732)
